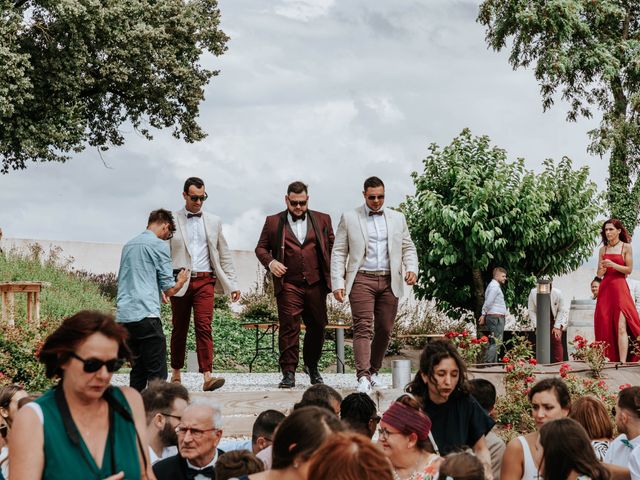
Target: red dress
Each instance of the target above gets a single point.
(614, 297)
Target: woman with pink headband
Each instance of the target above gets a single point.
(404, 437)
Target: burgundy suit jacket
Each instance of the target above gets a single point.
(271, 243)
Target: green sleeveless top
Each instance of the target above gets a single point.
(64, 460)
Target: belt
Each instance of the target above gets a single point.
(495, 315)
(202, 274)
(375, 273)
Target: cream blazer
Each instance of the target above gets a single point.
(219, 253)
(350, 249)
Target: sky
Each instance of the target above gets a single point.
(324, 91)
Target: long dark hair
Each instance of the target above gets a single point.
(567, 447)
(624, 234)
(432, 354)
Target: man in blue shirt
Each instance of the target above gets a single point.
(146, 276)
(494, 312)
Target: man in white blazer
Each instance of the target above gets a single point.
(372, 246)
(559, 319)
(199, 245)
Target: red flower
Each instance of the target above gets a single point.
(506, 359)
(624, 385)
(465, 333)
(509, 368)
(529, 379)
(533, 361)
(484, 339)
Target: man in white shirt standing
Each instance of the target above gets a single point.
(199, 245)
(372, 246)
(624, 450)
(559, 318)
(494, 311)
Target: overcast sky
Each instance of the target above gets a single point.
(325, 91)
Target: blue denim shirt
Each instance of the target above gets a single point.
(145, 271)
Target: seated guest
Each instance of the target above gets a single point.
(485, 393)
(567, 453)
(298, 437)
(237, 463)
(199, 433)
(624, 451)
(261, 435)
(348, 456)
(163, 403)
(462, 466)
(321, 395)
(10, 397)
(404, 437)
(359, 414)
(591, 413)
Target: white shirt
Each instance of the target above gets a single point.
(198, 247)
(166, 453)
(559, 308)
(210, 464)
(299, 228)
(634, 288)
(494, 300)
(233, 444)
(377, 257)
(634, 464)
(265, 455)
(619, 452)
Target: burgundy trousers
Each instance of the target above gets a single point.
(199, 297)
(310, 303)
(557, 345)
(373, 308)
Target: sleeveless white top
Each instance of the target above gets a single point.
(530, 471)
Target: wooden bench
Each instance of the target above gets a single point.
(430, 337)
(7, 303)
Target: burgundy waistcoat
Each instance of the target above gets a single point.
(301, 260)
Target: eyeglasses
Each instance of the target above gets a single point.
(3, 430)
(295, 203)
(195, 198)
(92, 365)
(375, 197)
(170, 415)
(196, 433)
(384, 433)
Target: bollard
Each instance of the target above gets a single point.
(400, 373)
(543, 327)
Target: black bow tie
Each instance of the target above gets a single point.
(190, 215)
(301, 217)
(379, 212)
(192, 472)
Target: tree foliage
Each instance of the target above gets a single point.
(590, 51)
(74, 71)
(474, 210)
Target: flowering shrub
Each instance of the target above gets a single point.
(590, 353)
(580, 387)
(468, 345)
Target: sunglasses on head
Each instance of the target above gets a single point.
(375, 197)
(295, 203)
(195, 198)
(92, 365)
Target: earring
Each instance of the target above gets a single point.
(295, 465)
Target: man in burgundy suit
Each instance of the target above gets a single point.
(295, 246)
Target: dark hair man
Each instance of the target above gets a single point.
(295, 246)
(145, 274)
(360, 414)
(261, 436)
(199, 245)
(485, 393)
(372, 247)
(624, 450)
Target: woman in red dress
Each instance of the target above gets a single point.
(616, 316)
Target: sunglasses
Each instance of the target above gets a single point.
(375, 197)
(195, 198)
(92, 365)
(295, 203)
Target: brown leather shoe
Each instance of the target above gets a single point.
(212, 384)
(176, 380)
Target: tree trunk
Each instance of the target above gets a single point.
(477, 290)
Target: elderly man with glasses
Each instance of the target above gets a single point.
(199, 433)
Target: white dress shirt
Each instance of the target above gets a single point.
(559, 308)
(166, 453)
(198, 247)
(620, 450)
(299, 228)
(377, 257)
(634, 464)
(210, 464)
(494, 300)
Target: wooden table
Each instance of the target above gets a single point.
(7, 305)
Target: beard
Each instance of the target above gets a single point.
(168, 436)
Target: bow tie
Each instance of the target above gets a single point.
(379, 212)
(192, 472)
(301, 217)
(191, 215)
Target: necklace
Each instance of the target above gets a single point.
(614, 244)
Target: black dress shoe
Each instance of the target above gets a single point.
(314, 375)
(288, 380)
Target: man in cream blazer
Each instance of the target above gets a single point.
(372, 246)
(559, 319)
(199, 245)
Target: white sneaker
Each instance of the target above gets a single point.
(364, 385)
(378, 382)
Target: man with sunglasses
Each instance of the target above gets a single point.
(372, 247)
(200, 246)
(146, 275)
(295, 246)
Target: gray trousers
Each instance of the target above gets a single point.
(494, 328)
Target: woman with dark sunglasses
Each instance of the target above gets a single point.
(82, 428)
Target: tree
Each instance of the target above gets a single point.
(590, 49)
(74, 71)
(473, 211)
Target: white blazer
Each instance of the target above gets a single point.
(219, 253)
(350, 249)
(559, 307)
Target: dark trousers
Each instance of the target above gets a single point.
(558, 345)
(310, 303)
(149, 347)
(199, 297)
(373, 308)
(494, 328)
